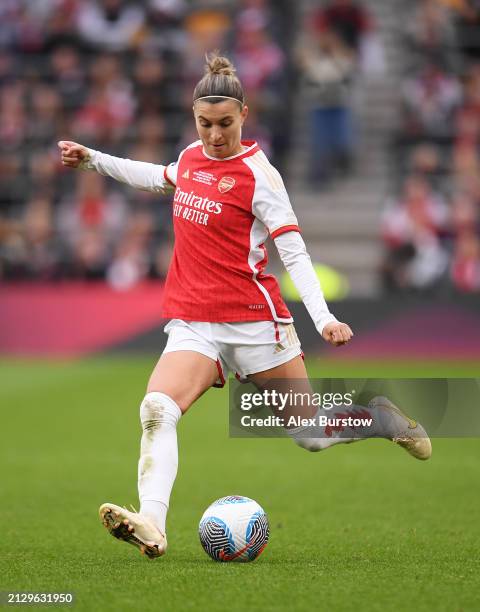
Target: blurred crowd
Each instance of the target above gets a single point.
(117, 76)
(431, 227)
(337, 48)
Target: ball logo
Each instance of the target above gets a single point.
(225, 184)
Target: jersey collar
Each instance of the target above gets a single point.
(250, 144)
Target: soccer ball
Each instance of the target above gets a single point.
(234, 528)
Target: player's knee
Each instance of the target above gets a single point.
(158, 410)
(181, 394)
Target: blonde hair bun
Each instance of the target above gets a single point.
(219, 81)
(217, 64)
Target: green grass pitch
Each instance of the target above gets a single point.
(358, 527)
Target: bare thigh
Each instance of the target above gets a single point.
(293, 369)
(184, 376)
(289, 376)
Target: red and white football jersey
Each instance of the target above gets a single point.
(223, 212)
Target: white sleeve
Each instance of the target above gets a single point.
(271, 203)
(296, 260)
(142, 175)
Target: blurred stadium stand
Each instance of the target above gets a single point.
(415, 101)
(386, 95)
(117, 76)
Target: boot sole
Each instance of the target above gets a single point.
(121, 529)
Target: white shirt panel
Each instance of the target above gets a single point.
(271, 203)
(296, 260)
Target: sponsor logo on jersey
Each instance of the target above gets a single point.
(191, 199)
(186, 174)
(225, 184)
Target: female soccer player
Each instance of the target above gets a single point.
(226, 314)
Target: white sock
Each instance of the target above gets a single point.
(157, 511)
(158, 463)
(315, 437)
(311, 439)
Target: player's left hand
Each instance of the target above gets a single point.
(337, 333)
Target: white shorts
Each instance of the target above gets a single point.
(243, 348)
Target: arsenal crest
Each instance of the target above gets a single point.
(225, 184)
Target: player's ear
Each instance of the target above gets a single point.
(243, 114)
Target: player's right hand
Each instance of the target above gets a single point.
(73, 154)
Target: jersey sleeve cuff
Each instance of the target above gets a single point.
(283, 230)
(329, 318)
(89, 162)
(166, 177)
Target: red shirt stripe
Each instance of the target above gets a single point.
(284, 230)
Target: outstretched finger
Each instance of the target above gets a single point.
(66, 143)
